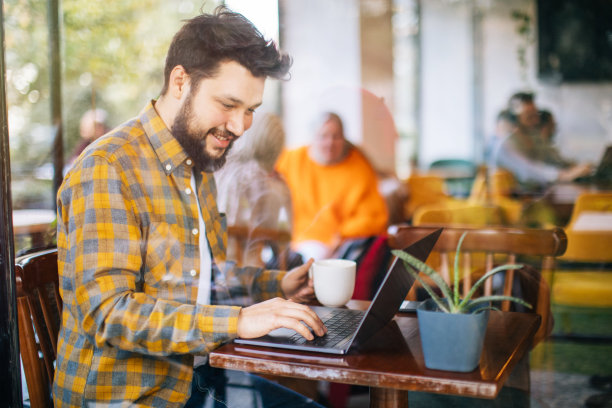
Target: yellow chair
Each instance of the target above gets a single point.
(589, 242)
(464, 214)
(496, 188)
(583, 281)
(426, 189)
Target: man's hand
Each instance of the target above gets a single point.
(297, 286)
(261, 318)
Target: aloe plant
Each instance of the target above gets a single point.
(451, 302)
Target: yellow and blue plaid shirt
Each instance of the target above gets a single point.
(129, 272)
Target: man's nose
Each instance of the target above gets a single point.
(236, 123)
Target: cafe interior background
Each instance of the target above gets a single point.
(414, 80)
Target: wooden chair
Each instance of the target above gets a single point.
(246, 244)
(499, 245)
(466, 214)
(38, 313)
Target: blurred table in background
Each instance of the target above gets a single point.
(562, 197)
(32, 224)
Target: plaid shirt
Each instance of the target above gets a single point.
(129, 271)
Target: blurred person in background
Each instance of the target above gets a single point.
(93, 124)
(547, 149)
(251, 192)
(519, 150)
(334, 191)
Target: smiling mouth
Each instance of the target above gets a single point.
(222, 135)
(222, 139)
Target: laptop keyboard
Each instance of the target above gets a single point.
(340, 324)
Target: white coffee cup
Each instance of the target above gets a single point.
(334, 281)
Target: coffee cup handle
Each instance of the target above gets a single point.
(310, 272)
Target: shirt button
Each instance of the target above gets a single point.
(193, 272)
(187, 191)
(189, 162)
(168, 167)
(195, 231)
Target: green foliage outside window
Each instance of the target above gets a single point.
(112, 54)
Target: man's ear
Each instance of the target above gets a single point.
(179, 82)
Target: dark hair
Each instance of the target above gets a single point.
(209, 39)
(546, 116)
(507, 116)
(523, 97)
(520, 98)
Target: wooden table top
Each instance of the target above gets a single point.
(32, 221)
(394, 359)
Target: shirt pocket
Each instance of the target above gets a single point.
(164, 269)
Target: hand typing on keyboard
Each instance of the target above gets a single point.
(340, 324)
(261, 318)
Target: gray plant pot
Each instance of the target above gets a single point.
(451, 342)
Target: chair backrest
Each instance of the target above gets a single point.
(589, 231)
(495, 188)
(38, 310)
(492, 184)
(246, 244)
(498, 245)
(458, 174)
(425, 189)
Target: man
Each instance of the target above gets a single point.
(141, 244)
(334, 191)
(547, 150)
(518, 151)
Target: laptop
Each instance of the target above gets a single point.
(349, 329)
(603, 173)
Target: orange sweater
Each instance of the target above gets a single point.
(332, 202)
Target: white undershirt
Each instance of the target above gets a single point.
(205, 265)
(205, 258)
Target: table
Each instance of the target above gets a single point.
(560, 197)
(34, 223)
(392, 362)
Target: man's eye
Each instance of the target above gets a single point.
(227, 105)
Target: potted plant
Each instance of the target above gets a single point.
(452, 328)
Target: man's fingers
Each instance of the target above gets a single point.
(297, 312)
(297, 326)
(264, 317)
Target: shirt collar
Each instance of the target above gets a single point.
(169, 151)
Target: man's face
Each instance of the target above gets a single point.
(215, 114)
(329, 143)
(528, 115)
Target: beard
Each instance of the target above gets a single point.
(195, 144)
